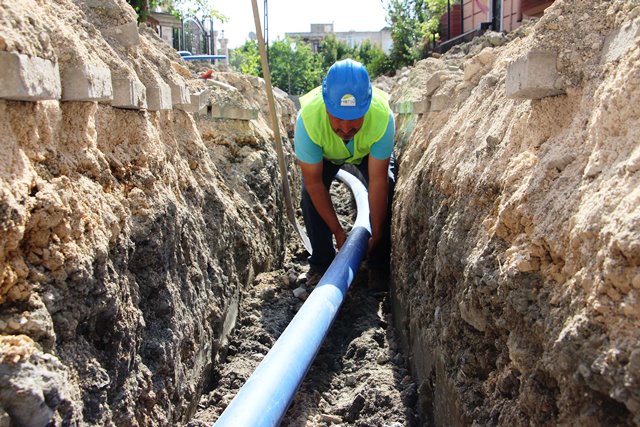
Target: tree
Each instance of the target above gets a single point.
(293, 66)
(373, 58)
(198, 8)
(296, 69)
(179, 8)
(331, 50)
(406, 30)
(432, 12)
(413, 22)
(142, 8)
(246, 58)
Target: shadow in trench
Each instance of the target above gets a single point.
(359, 376)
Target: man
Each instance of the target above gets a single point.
(345, 121)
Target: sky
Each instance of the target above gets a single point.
(286, 16)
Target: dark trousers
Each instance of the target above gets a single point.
(321, 237)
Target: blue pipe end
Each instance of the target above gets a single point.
(265, 397)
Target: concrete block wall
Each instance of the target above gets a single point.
(34, 79)
(30, 78)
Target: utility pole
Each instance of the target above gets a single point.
(448, 19)
(266, 27)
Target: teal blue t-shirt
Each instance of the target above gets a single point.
(309, 152)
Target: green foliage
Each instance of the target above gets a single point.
(332, 50)
(296, 69)
(142, 8)
(412, 23)
(433, 11)
(198, 8)
(374, 59)
(293, 66)
(246, 58)
(179, 8)
(406, 30)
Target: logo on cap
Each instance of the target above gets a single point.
(348, 100)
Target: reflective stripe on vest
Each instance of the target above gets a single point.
(316, 122)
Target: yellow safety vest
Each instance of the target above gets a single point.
(316, 122)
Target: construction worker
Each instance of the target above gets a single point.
(345, 122)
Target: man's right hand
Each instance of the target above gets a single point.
(321, 199)
(341, 237)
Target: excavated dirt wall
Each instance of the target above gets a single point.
(126, 234)
(516, 246)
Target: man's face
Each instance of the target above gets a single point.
(345, 129)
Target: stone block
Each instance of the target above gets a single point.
(158, 96)
(179, 94)
(620, 41)
(129, 94)
(198, 102)
(411, 107)
(87, 83)
(231, 112)
(279, 93)
(433, 83)
(440, 102)
(487, 55)
(25, 78)
(472, 67)
(533, 76)
(127, 35)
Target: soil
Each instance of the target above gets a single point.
(359, 376)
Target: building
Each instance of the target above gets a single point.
(188, 35)
(381, 38)
(480, 15)
(168, 27)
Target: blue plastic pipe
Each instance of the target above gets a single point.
(202, 57)
(265, 397)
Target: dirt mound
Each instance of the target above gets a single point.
(126, 237)
(523, 297)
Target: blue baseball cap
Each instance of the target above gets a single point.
(346, 90)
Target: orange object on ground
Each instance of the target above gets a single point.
(207, 74)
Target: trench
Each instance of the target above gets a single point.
(517, 268)
(359, 376)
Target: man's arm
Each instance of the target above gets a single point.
(321, 199)
(378, 195)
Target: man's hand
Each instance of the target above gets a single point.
(374, 243)
(341, 237)
(321, 199)
(378, 193)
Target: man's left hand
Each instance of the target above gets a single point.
(374, 243)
